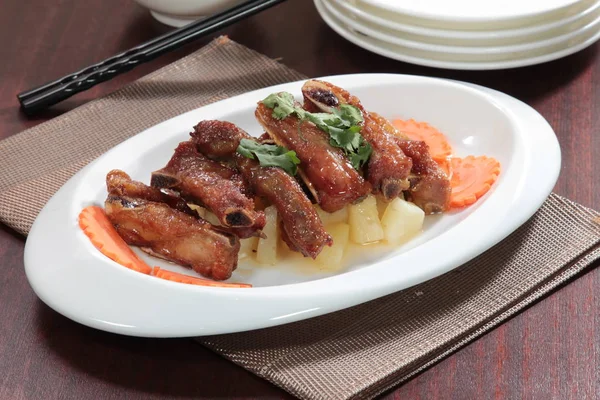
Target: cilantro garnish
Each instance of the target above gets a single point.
(342, 125)
(281, 103)
(270, 155)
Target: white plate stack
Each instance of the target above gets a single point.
(466, 34)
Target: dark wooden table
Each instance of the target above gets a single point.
(552, 350)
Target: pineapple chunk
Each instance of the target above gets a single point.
(247, 247)
(330, 258)
(334, 217)
(401, 221)
(381, 205)
(364, 222)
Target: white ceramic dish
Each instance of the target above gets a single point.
(72, 277)
(451, 61)
(179, 13)
(490, 37)
(471, 12)
(460, 52)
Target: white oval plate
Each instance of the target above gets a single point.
(452, 61)
(543, 30)
(73, 278)
(586, 26)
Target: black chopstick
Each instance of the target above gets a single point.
(56, 91)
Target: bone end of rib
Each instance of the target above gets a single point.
(238, 219)
(162, 179)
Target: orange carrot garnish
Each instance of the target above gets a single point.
(439, 148)
(181, 278)
(96, 225)
(472, 177)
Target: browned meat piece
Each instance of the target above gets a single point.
(429, 186)
(301, 223)
(387, 126)
(175, 236)
(120, 183)
(217, 140)
(334, 179)
(265, 138)
(216, 186)
(166, 232)
(388, 167)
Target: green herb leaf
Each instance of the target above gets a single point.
(270, 155)
(361, 156)
(349, 114)
(322, 120)
(245, 149)
(281, 103)
(347, 139)
(342, 125)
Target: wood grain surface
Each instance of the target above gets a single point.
(550, 351)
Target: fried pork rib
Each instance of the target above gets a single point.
(335, 181)
(216, 186)
(388, 167)
(143, 219)
(301, 224)
(429, 186)
(121, 185)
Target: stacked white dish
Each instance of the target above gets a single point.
(466, 34)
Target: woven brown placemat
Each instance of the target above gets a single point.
(354, 353)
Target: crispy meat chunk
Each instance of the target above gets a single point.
(212, 184)
(142, 219)
(332, 176)
(121, 184)
(429, 185)
(301, 223)
(388, 167)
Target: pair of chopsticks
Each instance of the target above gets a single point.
(56, 91)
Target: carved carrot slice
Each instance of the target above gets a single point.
(439, 148)
(181, 278)
(97, 227)
(472, 177)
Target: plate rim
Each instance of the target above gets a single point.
(232, 297)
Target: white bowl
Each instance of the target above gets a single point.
(547, 29)
(182, 12)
